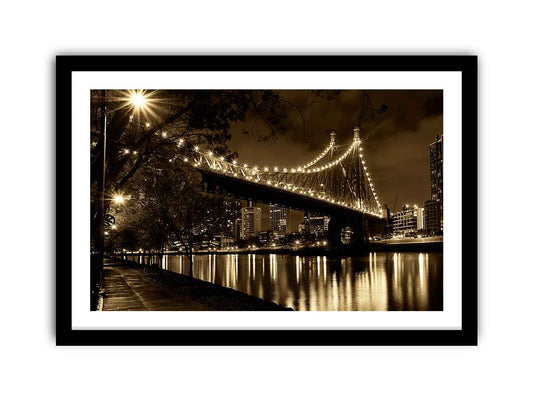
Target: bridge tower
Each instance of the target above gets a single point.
(332, 140)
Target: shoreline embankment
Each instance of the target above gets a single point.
(218, 298)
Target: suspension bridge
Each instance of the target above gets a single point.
(337, 183)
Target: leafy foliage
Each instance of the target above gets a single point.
(169, 209)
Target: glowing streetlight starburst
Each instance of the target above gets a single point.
(142, 103)
(138, 100)
(118, 199)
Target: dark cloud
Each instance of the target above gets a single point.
(396, 142)
(434, 105)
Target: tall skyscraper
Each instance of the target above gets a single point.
(265, 215)
(250, 222)
(294, 219)
(278, 218)
(420, 218)
(432, 217)
(435, 211)
(436, 168)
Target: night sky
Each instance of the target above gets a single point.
(395, 143)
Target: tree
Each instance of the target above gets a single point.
(168, 208)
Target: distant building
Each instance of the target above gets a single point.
(237, 228)
(318, 224)
(405, 220)
(265, 215)
(294, 219)
(265, 237)
(250, 222)
(303, 228)
(222, 242)
(436, 173)
(433, 217)
(436, 168)
(420, 219)
(278, 218)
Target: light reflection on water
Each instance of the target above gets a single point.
(378, 281)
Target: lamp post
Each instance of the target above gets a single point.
(137, 100)
(98, 265)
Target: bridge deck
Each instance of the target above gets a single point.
(267, 194)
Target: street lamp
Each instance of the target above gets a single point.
(118, 199)
(138, 99)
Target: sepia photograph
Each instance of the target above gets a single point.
(279, 200)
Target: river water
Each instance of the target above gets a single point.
(377, 281)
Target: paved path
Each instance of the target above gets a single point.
(128, 290)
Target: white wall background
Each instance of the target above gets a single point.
(33, 32)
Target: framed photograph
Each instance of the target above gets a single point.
(266, 200)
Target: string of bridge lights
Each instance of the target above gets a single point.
(319, 157)
(259, 175)
(256, 174)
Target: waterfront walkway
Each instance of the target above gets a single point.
(128, 290)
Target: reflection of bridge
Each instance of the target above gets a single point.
(336, 183)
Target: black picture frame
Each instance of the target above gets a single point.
(65, 335)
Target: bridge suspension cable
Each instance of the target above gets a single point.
(342, 179)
